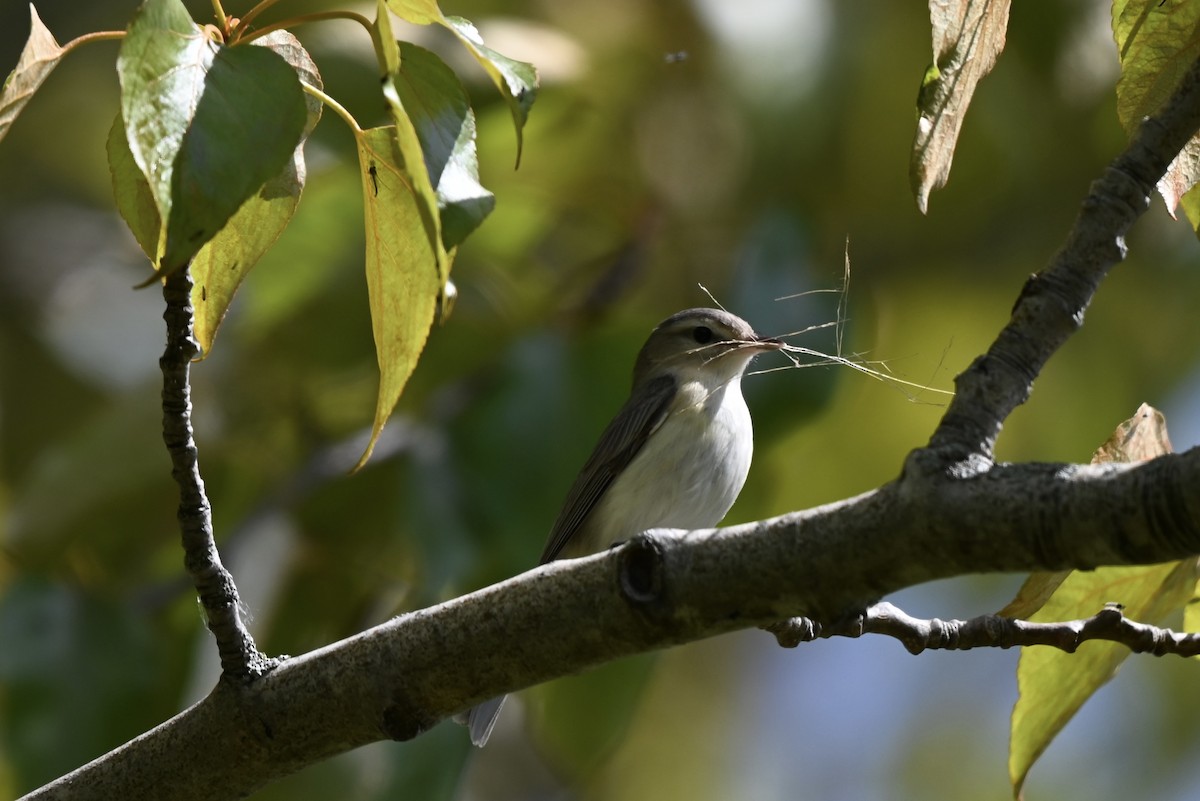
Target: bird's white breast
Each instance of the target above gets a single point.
(688, 473)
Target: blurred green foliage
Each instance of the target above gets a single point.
(673, 144)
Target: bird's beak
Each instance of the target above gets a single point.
(768, 343)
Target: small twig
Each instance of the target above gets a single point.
(992, 631)
(218, 593)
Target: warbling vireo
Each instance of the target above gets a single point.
(675, 456)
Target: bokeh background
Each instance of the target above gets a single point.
(734, 145)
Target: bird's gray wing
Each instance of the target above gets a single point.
(642, 414)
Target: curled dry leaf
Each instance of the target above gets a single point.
(968, 35)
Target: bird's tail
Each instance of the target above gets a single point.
(482, 718)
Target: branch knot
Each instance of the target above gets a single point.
(641, 571)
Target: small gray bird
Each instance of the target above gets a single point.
(675, 456)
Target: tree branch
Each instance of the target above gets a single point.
(952, 512)
(994, 631)
(218, 593)
(662, 588)
(1051, 306)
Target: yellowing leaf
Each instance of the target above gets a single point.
(1034, 593)
(1053, 685)
(1190, 203)
(224, 262)
(406, 263)
(40, 55)
(418, 12)
(389, 48)
(968, 35)
(226, 259)
(1156, 43)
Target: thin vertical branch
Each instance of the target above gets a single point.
(240, 657)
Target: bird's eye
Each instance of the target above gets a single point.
(702, 334)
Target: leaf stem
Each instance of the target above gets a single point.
(314, 17)
(333, 104)
(253, 13)
(94, 36)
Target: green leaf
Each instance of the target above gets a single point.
(1156, 43)
(516, 80)
(131, 191)
(405, 261)
(224, 262)
(40, 55)
(968, 35)
(440, 110)
(207, 125)
(1053, 685)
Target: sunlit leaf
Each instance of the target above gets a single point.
(405, 263)
(389, 53)
(40, 56)
(411, 156)
(207, 125)
(440, 110)
(1053, 685)
(516, 80)
(418, 12)
(1156, 43)
(222, 264)
(968, 35)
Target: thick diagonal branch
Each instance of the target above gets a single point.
(660, 589)
(218, 593)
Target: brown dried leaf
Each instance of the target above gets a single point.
(968, 35)
(40, 56)
(1141, 437)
